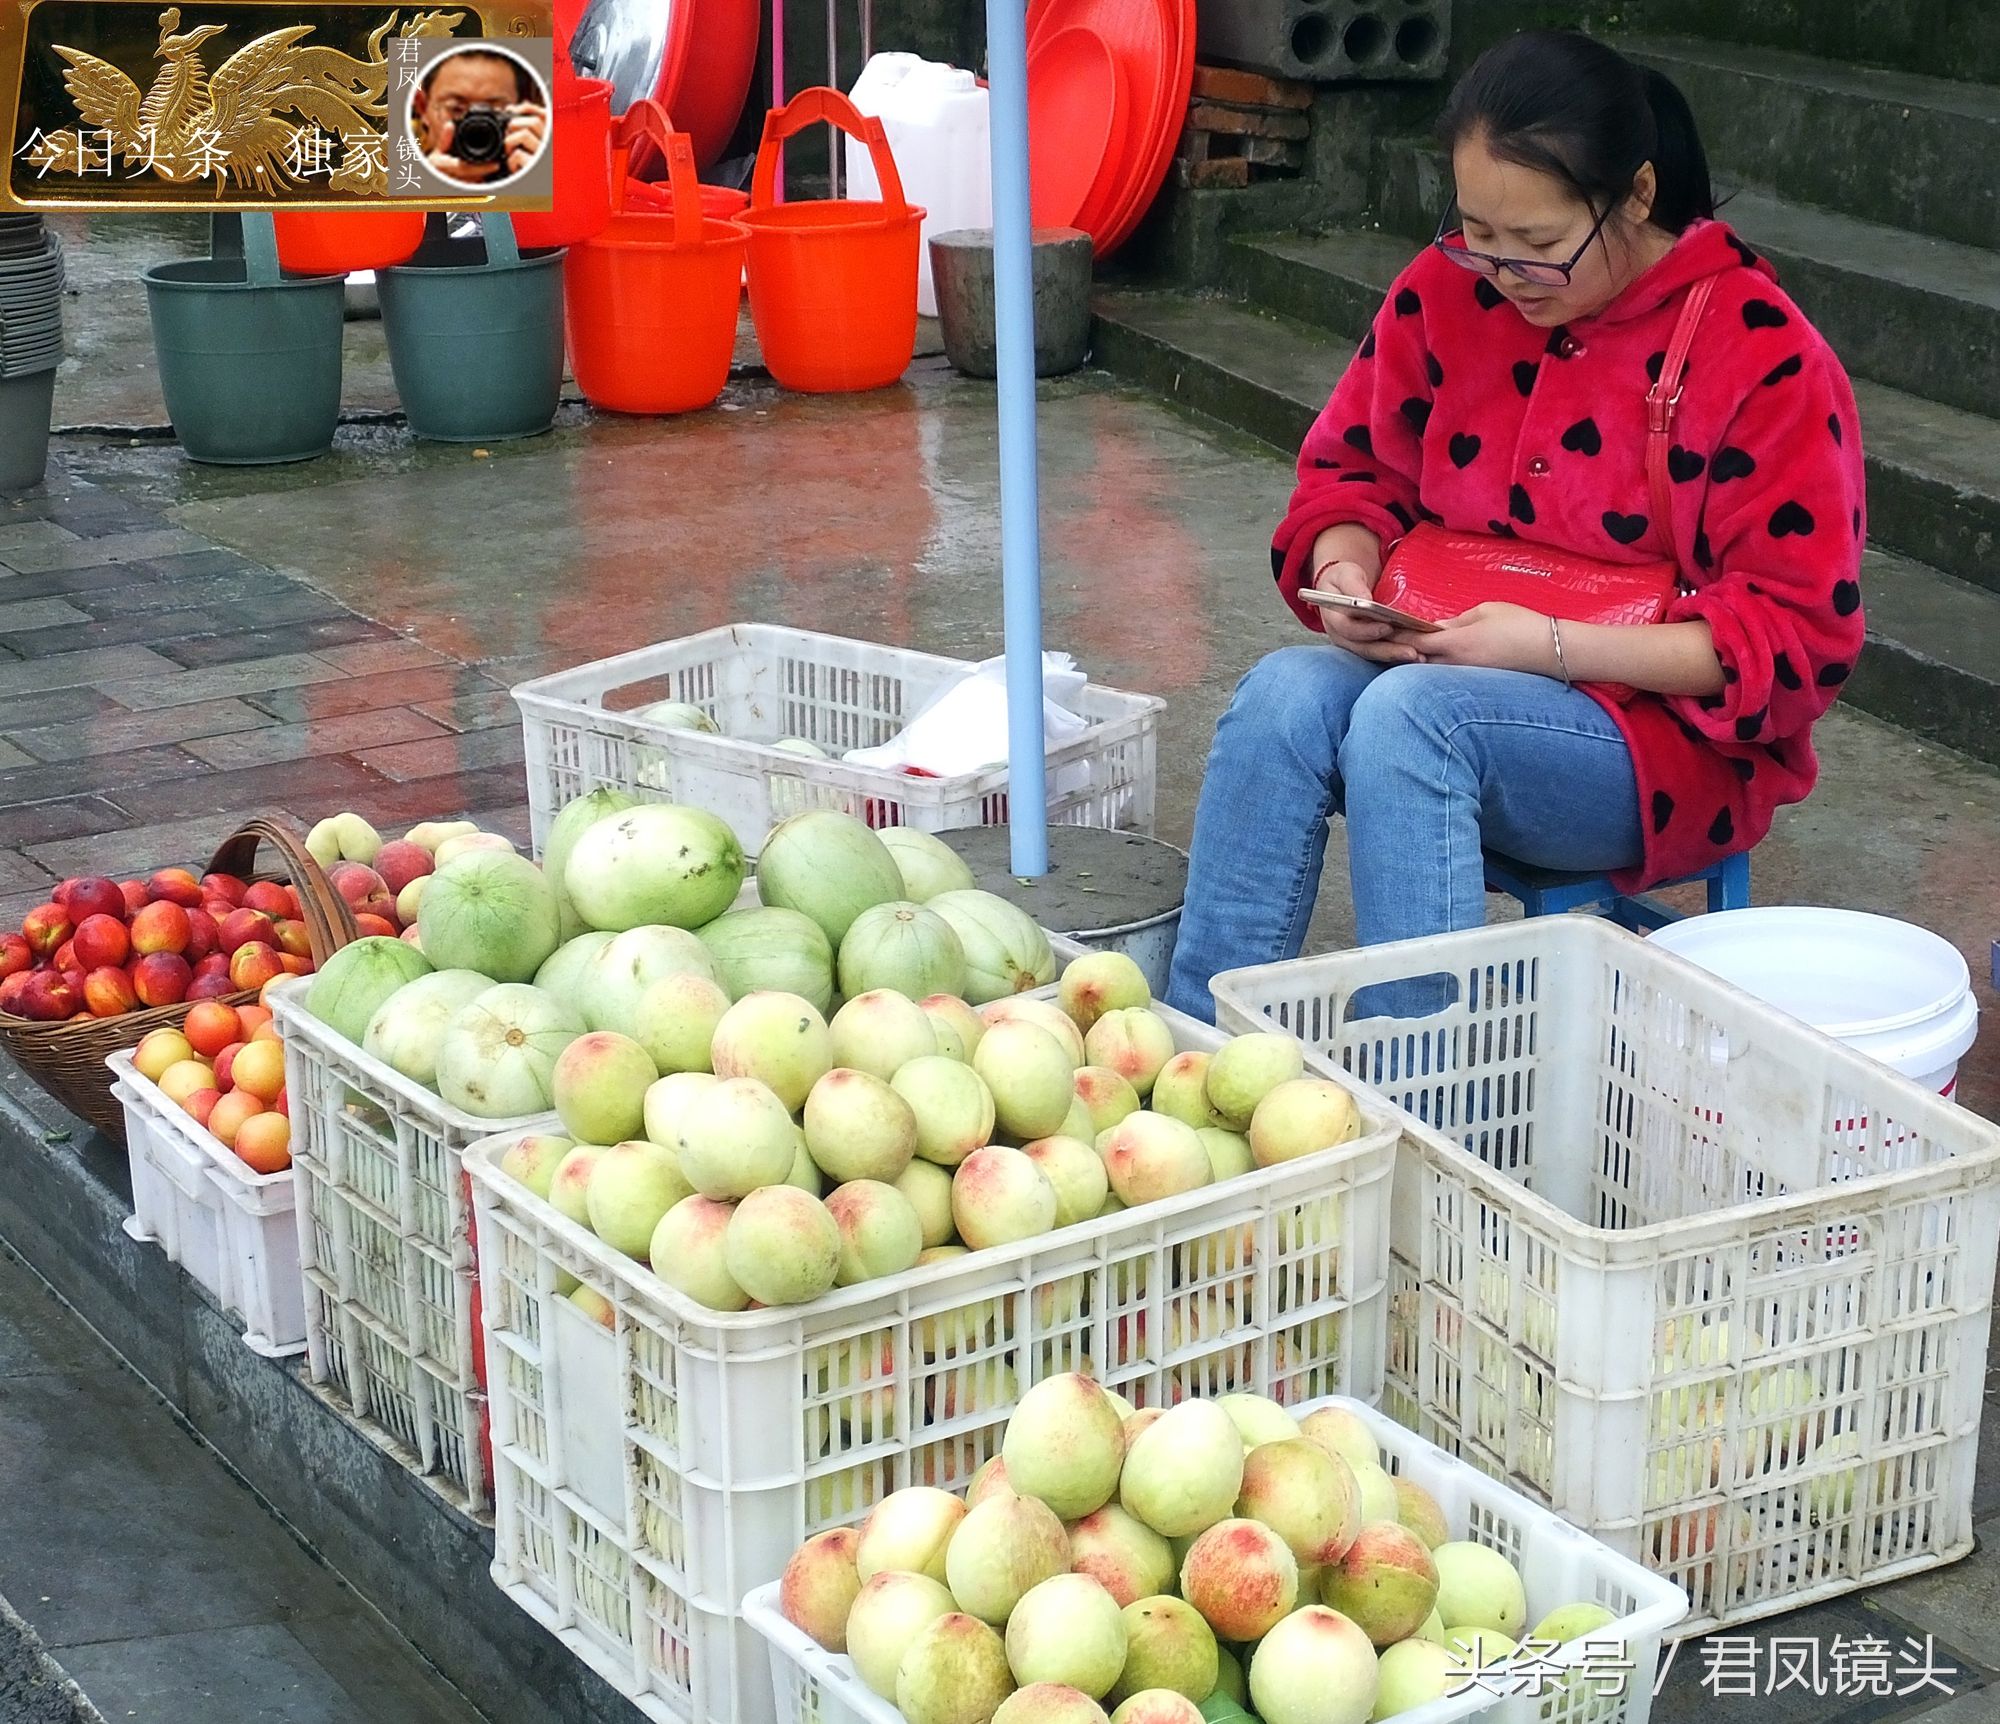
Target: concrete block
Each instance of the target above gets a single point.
(1329, 41)
(962, 266)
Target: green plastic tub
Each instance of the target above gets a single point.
(476, 335)
(249, 358)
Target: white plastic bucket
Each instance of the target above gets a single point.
(936, 120)
(1889, 989)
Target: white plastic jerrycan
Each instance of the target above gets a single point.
(936, 119)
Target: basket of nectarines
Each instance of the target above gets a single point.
(106, 962)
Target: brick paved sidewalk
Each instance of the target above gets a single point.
(156, 689)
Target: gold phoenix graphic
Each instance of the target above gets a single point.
(282, 117)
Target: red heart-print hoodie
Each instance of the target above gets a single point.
(1456, 410)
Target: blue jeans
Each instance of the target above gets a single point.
(1427, 762)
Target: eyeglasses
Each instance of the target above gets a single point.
(1534, 271)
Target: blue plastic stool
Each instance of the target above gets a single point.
(1550, 891)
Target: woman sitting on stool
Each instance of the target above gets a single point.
(1502, 390)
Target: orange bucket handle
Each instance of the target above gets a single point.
(807, 108)
(646, 118)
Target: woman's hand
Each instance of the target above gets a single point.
(1362, 636)
(1498, 637)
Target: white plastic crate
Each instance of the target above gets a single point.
(1558, 1564)
(760, 681)
(231, 1229)
(647, 1476)
(386, 1248)
(1710, 1284)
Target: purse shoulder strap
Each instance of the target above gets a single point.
(1662, 401)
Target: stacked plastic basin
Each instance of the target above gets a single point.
(31, 345)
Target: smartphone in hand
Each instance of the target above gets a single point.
(1368, 608)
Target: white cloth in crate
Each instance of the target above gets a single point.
(962, 728)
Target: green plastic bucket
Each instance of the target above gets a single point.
(476, 335)
(249, 358)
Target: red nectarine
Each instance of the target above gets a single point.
(49, 997)
(109, 992)
(159, 1049)
(384, 927)
(363, 888)
(226, 1118)
(240, 927)
(181, 1080)
(215, 986)
(400, 862)
(201, 1104)
(45, 928)
(225, 1065)
(224, 886)
(135, 895)
(294, 965)
(290, 936)
(162, 978)
(254, 1018)
(175, 886)
(161, 927)
(101, 940)
(215, 964)
(272, 898)
(210, 1027)
(12, 988)
(252, 965)
(15, 955)
(204, 936)
(92, 896)
(264, 1142)
(260, 1069)
(65, 958)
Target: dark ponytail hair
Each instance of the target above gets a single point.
(1565, 105)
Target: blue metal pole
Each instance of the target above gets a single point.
(1020, 506)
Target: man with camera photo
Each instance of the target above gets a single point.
(479, 116)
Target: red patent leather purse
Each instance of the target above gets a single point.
(1435, 573)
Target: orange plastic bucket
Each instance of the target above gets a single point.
(833, 285)
(651, 302)
(580, 132)
(338, 242)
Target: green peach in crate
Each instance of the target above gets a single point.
(858, 1127)
(1049, 1703)
(952, 1106)
(955, 1024)
(777, 1040)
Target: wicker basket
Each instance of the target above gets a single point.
(67, 1059)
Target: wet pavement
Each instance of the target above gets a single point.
(181, 646)
(152, 1575)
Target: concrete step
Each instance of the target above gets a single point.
(1933, 470)
(1918, 313)
(1893, 147)
(1933, 658)
(1958, 39)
